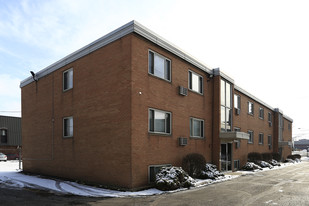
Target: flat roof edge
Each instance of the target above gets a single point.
(104, 40)
(253, 97)
(128, 28)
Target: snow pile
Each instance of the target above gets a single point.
(264, 164)
(10, 177)
(210, 172)
(274, 162)
(172, 178)
(250, 166)
(296, 160)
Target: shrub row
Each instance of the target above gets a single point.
(294, 157)
(255, 156)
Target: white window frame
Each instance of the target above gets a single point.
(167, 69)
(261, 113)
(251, 140)
(252, 112)
(238, 164)
(165, 123)
(200, 82)
(202, 128)
(69, 79)
(261, 137)
(270, 117)
(237, 99)
(71, 131)
(156, 167)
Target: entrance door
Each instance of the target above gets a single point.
(226, 156)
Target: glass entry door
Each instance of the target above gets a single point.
(226, 156)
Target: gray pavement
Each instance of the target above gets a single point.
(286, 186)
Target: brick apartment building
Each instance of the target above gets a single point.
(138, 102)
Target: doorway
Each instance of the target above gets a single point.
(226, 156)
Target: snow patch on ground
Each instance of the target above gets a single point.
(10, 176)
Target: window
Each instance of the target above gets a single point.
(4, 136)
(269, 140)
(237, 142)
(236, 164)
(236, 101)
(251, 136)
(196, 128)
(261, 138)
(269, 117)
(261, 113)
(226, 103)
(68, 79)
(195, 82)
(250, 108)
(159, 66)
(159, 121)
(68, 127)
(153, 170)
(289, 126)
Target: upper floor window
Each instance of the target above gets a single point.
(4, 136)
(261, 113)
(269, 117)
(195, 82)
(196, 128)
(261, 138)
(289, 126)
(159, 66)
(236, 101)
(68, 127)
(68, 79)
(251, 136)
(226, 104)
(250, 108)
(159, 121)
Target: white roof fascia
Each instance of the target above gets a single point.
(253, 97)
(122, 31)
(218, 72)
(288, 118)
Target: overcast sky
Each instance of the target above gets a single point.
(263, 45)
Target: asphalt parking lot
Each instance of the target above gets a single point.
(286, 186)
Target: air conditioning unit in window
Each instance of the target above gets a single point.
(183, 91)
(237, 111)
(270, 124)
(269, 146)
(183, 141)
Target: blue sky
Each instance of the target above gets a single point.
(263, 45)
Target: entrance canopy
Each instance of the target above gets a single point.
(234, 135)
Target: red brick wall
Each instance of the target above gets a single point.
(246, 122)
(149, 149)
(100, 104)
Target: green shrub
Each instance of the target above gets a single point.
(276, 156)
(294, 157)
(254, 156)
(267, 156)
(194, 164)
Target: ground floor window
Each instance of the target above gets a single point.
(261, 138)
(250, 136)
(236, 164)
(196, 128)
(159, 121)
(68, 127)
(153, 170)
